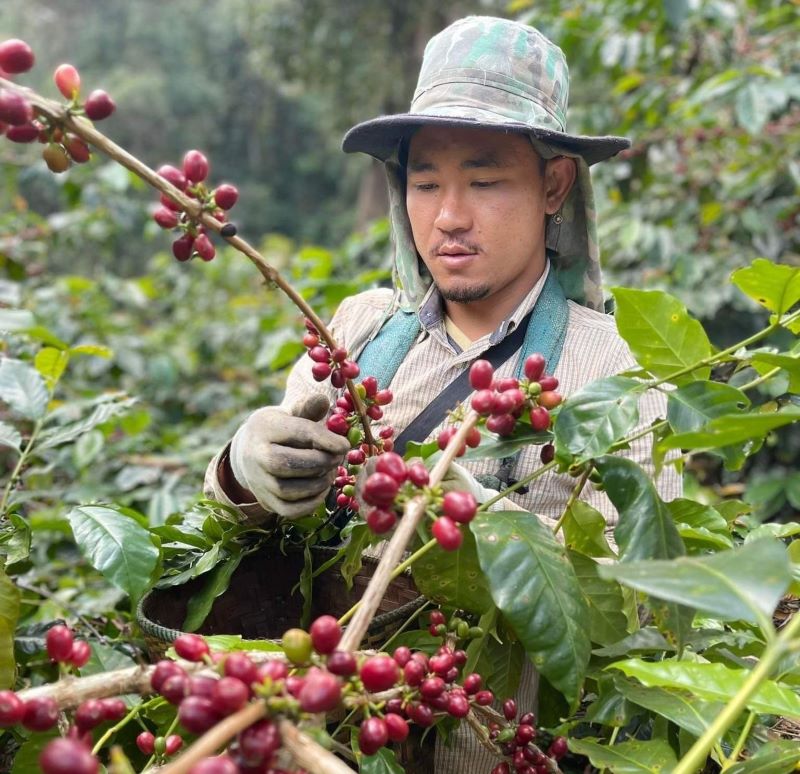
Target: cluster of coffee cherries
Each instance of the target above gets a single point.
(393, 482)
(503, 400)
(190, 179)
(329, 363)
(20, 122)
(70, 754)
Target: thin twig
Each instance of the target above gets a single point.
(43, 592)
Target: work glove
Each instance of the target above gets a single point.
(288, 460)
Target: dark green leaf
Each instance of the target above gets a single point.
(774, 286)
(584, 530)
(383, 762)
(682, 709)
(102, 413)
(26, 760)
(598, 416)
(661, 334)
(732, 428)
(713, 682)
(305, 584)
(647, 640)
(632, 757)
(360, 538)
(216, 584)
(700, 523)
(694, 405)
(453, 578)
(740, 584)
(494, 447)
(535, 587)
(501, 664)
(779, 756)
(766, 361)
(23, 389)
(607, 622)
(17, 539)
(610, 707)
(9, 615)
(116, 545)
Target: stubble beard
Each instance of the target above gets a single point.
(464, 294)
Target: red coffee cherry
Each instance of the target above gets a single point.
(40, 714)
(195, 166)
(484, 698)
(374, 412)
(81, 653)
(548, 383)
(473, 438)
(502, 424)
(219, 764)
(472, 683)
(321, 692)
(325, 634)
(483, 402)
(191, 647)
(99, 105)
(379, 673)
(480, 375)
(204, 247)
(401, 655)
(342, 663)
(525, 734)
(320, 371)
(558, 747)
(226, 195)
(437, 617)
(548, 453)
(392, 465)
(534, 367)
(418, 475)
(372, 735)
(59, 643)
(165, 217)
(380, 490)
(549, 399)
(421, 714)
(509, 709)
(197, 714)
(444, 439)
(502, 768)
(67, 756)
(15, 109)
(12, 708)
(67, 80)
(16, 56)
(114, 708)
(447, 534)
(146, 743)
(370, 385)
(259, 742)
(164, 669)
(78, 150)
(183, 247)
(336, 423)
(442, 663)
(384, 397)
(459, 506)
(175, 688)
(240, 666)
(431, 687)
(172, 175)
(230, 694)
(396, 727)
(24, 133)
(414, 672)
(506, 383)
(274, 670)
(381, 521)
(458, 705)
(540, 419)
(356, 457)
(173, 743)
(310, 340)
(89, 714)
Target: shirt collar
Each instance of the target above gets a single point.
(431, 310)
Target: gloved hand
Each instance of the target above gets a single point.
(288, 460)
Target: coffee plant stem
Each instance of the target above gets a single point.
(23, 458)
(693, 760)
(573, 496)
(513, 488)
(760, 380)
(122, 723)
(85, 129)
(43, 592)
(740, 742)
(414, 512)
(722, 354)
(308, 753)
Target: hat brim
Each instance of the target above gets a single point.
(380, 137)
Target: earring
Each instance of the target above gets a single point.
(558, 218)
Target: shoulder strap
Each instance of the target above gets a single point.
(383, 354)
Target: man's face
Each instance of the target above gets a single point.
(476, 201)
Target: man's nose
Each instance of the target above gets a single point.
(454, 213)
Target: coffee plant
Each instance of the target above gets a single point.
(672, 648)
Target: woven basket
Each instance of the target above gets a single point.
(259, 603)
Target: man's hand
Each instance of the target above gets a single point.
(288, 460)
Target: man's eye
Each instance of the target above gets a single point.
(425, 186)
(484, 183)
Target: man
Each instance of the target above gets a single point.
(493, 224)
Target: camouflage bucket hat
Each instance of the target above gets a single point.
(491, 73)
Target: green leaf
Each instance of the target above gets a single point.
(680, 708)
(201, 602)
(26, 759)
(23, 389)
(535, 587)
(648, 640)
(493, 447)
(361, 538)
(116, 545)
(87, 447)
(632, 757)
(13, 320)
(779, 756)
(661, 334)
(732, 428)
(645, 529)
(101, 413)
(741, 584)
(229, 642)
(607, 622)
(383, 762)
(700, 524)
(768, 360)
(17, 540)
(584, 530)
(712, 682)
(773, 285)
(501, 665)
(50, 363)
(694, 405)
(597, 416)
(9, 615)
(10, 436)
(95, 350)
(453, 578)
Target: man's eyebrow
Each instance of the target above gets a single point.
(486, 161)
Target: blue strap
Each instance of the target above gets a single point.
(547, 329)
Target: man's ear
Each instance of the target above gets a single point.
(559, 177)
